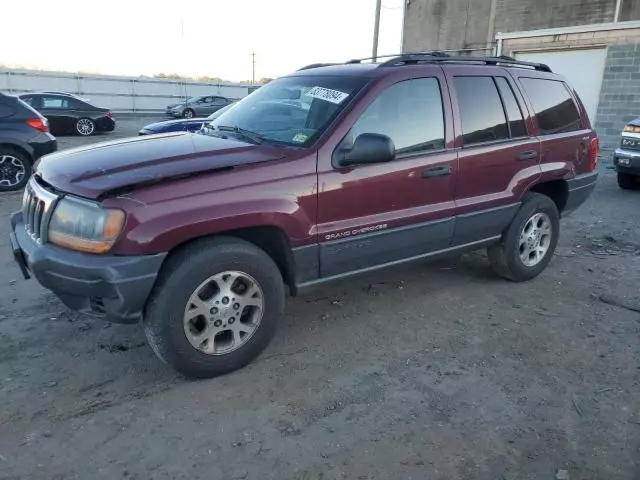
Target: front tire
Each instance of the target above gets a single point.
(626, 181)
(85, 127)
(215, 307)
(15, 169)
(528, 244)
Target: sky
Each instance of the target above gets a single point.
(193, 37)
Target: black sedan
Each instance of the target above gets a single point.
(181, 125)
(70, 115)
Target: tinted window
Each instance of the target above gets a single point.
(55, 102)
(481, 112)
(555, 109)
(219, 101)
(514, 114)
(27, 100)
(410, 113)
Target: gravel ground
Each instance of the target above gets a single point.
(429, 371)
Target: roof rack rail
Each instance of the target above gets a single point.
(435, 53)
(427, 57)
(410, 58)
(317, 65)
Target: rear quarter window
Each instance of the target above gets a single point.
(553, 105)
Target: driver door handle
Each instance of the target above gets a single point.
(437, 171)
(528, 155)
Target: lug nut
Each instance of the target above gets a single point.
(225, 300)
(231, 320)
(213, 311)
(236, 306)
(217, 323)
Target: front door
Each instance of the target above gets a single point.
(375, 214)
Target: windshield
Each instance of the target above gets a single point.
(290, 110)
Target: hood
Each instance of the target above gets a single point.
(635, 123)
(170, 123)
(97, 169)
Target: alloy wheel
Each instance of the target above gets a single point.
(535, 239)
(223, 312)
(12, 171)
(85, 126)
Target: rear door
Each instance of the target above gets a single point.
(206, 107)
(57, 109)
(498, 159)
(375, 214)
(565, 133)
(218, 103)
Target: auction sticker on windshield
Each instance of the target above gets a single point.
(333, 96)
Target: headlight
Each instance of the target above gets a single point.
(632, 129)
(85, 226)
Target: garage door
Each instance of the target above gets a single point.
(583, 69)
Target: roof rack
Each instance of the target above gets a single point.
(428, 57)
(413, 58)
(317, 65)
(434, 53)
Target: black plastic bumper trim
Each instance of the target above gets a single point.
(123, 282)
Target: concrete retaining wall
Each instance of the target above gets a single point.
(120, 94)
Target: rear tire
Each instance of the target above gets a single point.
(188, 113)
(85, 127)
(15, 169)
(528, 244)
(627, 181)
(207, 345)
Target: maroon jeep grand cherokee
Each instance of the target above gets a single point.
(329, 172)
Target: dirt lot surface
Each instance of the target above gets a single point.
(430, 371)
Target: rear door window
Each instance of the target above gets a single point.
(481, 113)
(55, 102)
(554, 107)
(514, 113)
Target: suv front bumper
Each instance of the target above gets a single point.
(627, 161)
(113, 287)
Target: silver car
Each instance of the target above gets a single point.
(201, 106)
(626, 158)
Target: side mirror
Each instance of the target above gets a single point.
(369, 148)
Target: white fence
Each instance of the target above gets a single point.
(120, 94)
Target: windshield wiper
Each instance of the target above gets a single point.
(253, 136)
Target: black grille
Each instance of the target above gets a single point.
(630, 143)
(37, 206)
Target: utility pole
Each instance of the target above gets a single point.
(253, 67)
(376, 30)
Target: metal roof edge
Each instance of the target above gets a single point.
(596, 27)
